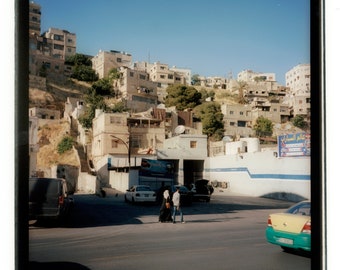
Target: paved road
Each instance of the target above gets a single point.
(107, 233)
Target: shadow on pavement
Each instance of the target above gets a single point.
(94, 211)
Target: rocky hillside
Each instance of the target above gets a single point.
(53, 95)
(49, 136)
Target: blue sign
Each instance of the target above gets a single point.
(293, 145)
(156, 168)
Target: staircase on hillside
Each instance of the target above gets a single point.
(84, 165)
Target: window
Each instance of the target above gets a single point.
(58, 37)
(162, 76)
(241, 113)
(58, 47)
(119, 60)
(114, 143)
(193, 144)
(131, 74)
(170, 76)
(231, 112)
(142, 77)
(115, 120)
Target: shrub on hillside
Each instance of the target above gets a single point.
(65, 144)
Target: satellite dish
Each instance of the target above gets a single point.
(227, 139)
(179, 129)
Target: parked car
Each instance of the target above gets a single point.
(292, 228)
(49, 198)
(140, 193)
(186, 194)
(202, 190)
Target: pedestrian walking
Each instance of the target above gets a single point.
(176, 200)
(165, 211)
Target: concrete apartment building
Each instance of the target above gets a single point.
(164, 76)
(135, 87)
(188, 153)
(34, 18)
(104, 61)
(298, 80)
(238, 120)
(251, 76)
(62, 43)
(48, 51)
(121, 140)
(214, 82)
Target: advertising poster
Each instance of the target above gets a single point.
(294, 145)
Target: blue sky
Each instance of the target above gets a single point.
(212, 38)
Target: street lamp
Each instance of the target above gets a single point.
(127, 145)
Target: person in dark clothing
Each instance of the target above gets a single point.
(165, 211)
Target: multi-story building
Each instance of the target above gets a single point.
(164, 76)
(251, 76)
(136, 89)
(60, 43)
(298, 78)
(48, 51)
(184, 73)
(214, 82)
(120, 141)
(237, 120)
(105, 61)
(34, 18)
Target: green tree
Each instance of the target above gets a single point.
(211, 117)
(299, 121)
(65, 144)
(195, 79)
(78, 60)
(84, 73)
(103, 87)
(182, 96)
(93, 102)
(263, 127)
(114, 74)
(207, 94)
(82, 68)
(120, 107)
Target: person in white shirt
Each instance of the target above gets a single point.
(176, 200)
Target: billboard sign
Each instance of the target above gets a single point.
(156, 168)
(294, 145)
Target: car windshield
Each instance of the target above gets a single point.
(143, 188)
(300, 209)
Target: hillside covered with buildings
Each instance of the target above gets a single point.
(131, 122)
